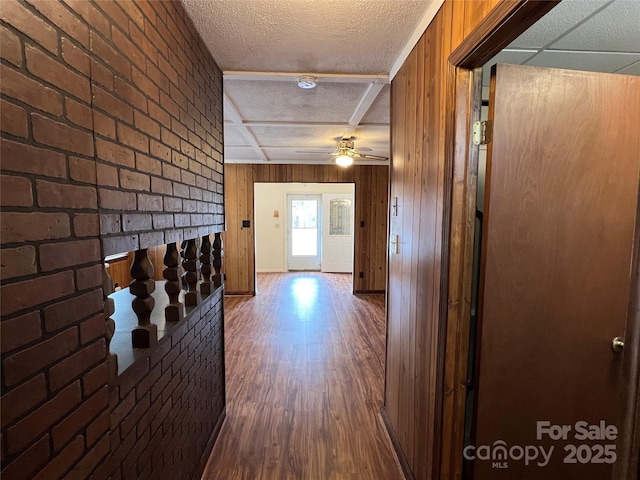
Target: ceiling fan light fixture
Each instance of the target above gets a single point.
(307, 82)
(344, 160)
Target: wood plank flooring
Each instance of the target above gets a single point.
(305, 373)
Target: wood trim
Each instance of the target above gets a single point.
(468, 87)
(395, 443)
(499, 28)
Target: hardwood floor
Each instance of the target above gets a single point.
(305, 373)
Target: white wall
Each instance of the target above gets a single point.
(270, 231)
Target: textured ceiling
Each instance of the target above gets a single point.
(354, 47)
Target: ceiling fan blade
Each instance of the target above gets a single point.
(373, 157)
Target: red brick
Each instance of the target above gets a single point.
(108, 55)
(149, 203)
(110, 223)
(125, 46)
(61, 136)
(64, 195)
(27, 429)
(19, 331)
(18, 157)
(23, 398)
(86, 225)
(158, 113)
(79, 113)
(28, 23)
(160, 185)
(168, 70)
(82, 170)
(169, 105)
(75, 57)
(63, 460)
(27, 465)
(11, 49)
(18, 262)
(25, 227)
(133, 138)
(13, 119)
(93, 328)
(59, 15)
(140, 39)
(89, 277)
(156, 76)
(90, 461)
(180, 190)
(101, 75)
(131, 419)
(94, 379)
(107, 175)
(116, 200)
(75, 365)
(144, 163)
(104, 125)
(111, 9)
(136, 222)
(115, 153)
(98, 428)
(52, 71)
(110, 104)
(130, 93)
(170, 172)
(146, 124)
(15, 191)
(21, 295)
(20, 87)
(162, 221)
(119, 413)
(70, 311)
(172, 204)
(132, 180)
(90, 15)
(151, 239)
(159, 150)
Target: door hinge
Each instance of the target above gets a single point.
(481, 132)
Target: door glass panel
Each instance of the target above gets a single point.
(304, 227)
(340, 217)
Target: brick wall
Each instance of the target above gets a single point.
(111, 141)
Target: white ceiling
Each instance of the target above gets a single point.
(593, 35)
(355, 47)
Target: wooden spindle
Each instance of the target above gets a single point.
(173, 312)
(217, 260)
(206, 287)
(145, 334)
(190, 275)
(110, 324)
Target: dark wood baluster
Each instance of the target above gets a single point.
(145, 334)
(110, 324)
(206, 287)
(190, 275)
(217, 260)
(173, 312)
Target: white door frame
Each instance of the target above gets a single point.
(304, 262)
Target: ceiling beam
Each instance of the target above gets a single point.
(292, 76)
(258, 123)
(363, 107)
(236, 119)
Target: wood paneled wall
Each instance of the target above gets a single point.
(422, 107)
(371, 207)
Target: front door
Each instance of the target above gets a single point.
(303, 232)
(558, 250)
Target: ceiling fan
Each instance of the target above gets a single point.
(345, 153)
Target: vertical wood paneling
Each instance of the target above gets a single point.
(371, 206)
(422, 117)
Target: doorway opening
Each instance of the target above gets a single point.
(304, 226)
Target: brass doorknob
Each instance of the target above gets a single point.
(618, 344)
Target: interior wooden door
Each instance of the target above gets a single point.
(561, 208)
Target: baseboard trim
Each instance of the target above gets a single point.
(240, 294)
(364, 292)
(395, 444)
(209, 447)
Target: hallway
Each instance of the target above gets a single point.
(305, 363)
